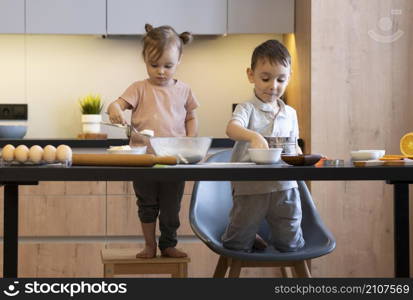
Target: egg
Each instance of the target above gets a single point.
(8, 152)
(21, 153)
(35, 154)
(64, 153)
(49, 154)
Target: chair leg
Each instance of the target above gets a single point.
(235, 269)
(108, 270)
(221, 268)
(302, 270)
(293, 272)
(287, 272)
(309, 264)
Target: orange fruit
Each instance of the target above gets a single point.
(406, 144)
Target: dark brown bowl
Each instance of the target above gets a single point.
(301, 159)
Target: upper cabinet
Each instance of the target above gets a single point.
(260, 16)
(128, 17)
(196, 16)
(66, 16)
(11, 16)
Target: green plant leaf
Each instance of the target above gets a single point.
(91, 104)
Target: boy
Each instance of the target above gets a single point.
(264, 115)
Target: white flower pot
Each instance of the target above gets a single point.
(91, 123)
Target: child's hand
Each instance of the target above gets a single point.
(115, 113)
(258, 141)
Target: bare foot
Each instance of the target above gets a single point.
(147, 252)
(259, 243)
(173, 252)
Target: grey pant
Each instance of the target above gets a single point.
(282, 210)
(163, 199)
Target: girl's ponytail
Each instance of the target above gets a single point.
(186, 37)
(148, 27)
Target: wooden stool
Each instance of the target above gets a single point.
(124, 262)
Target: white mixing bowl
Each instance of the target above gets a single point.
(265, 156)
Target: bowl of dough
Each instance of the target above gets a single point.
(126, 149)
(188, 150)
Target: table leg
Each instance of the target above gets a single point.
(401, 230)
(10, 235)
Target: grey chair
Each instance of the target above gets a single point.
(211, 203)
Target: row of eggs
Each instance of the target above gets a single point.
(36, 154)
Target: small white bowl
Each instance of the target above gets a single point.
(126, 150)
(265, 156)
(367, 154)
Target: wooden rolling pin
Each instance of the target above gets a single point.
(137, 160)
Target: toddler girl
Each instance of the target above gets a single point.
(166, 106)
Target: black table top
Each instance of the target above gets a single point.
(211, 172)
(102, 143)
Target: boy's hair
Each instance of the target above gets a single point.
(272, 50)
(157, 39)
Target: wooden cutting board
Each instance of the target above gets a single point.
(367, 163)
(399, 162)
(92, 136)
(137, 160)
(393, 162)
(394, 157)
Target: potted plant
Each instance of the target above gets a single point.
(91, 106)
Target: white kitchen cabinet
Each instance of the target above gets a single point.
(196, 16)
(260, 16)
(66, 16)
(11, 16)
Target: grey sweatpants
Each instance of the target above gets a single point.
(282, 210)
(163, 199)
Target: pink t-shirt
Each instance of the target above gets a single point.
(162, 109)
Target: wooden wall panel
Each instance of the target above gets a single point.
(58, 260)
(298, 91)
(65, 188)
(185, 227)
(43, 188)
(126, 187)
(62, 215)
(361, 98)
(120, 188)
(122, 217)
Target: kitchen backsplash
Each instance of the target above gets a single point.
(50, 73)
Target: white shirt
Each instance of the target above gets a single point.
(259, 117)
